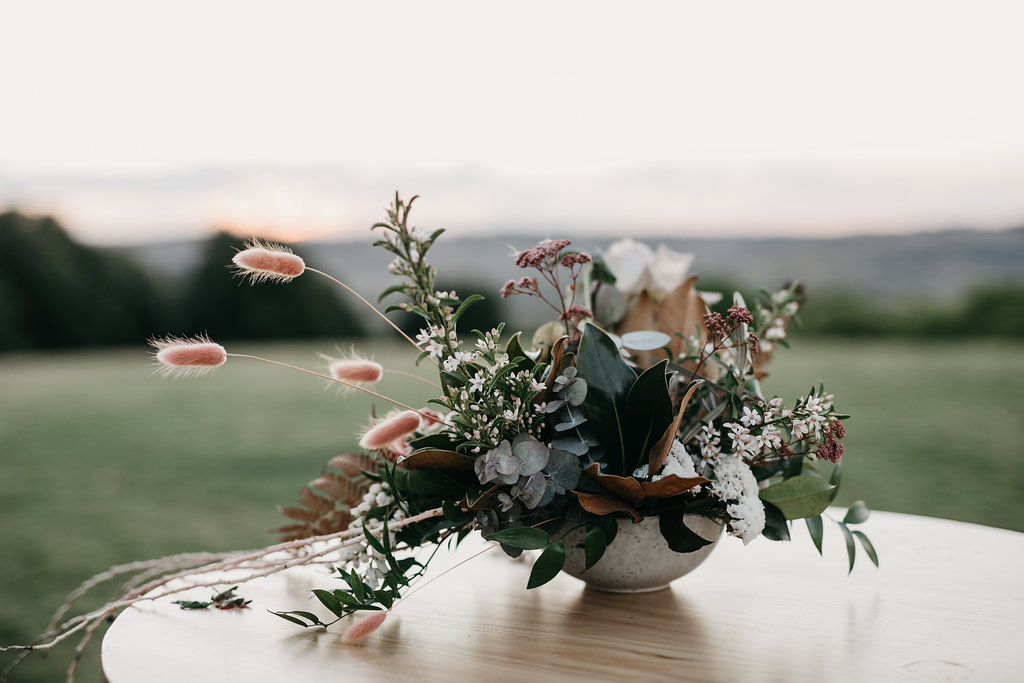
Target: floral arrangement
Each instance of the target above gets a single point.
(636, 401)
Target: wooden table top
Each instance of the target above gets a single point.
(946, 604)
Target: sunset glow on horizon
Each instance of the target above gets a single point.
(685, 118)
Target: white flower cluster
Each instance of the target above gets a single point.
(369, 563)
(736, 486)
(678, 463)
(810, 417)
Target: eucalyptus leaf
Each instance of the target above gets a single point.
(645, 340)
(531, 454)
(801, 496)
(547, 565)
(563, 470)
(576, 393)
(572, 444)
(531, 490)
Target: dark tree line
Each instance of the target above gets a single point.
(56, 293)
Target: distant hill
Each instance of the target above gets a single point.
(935, 266)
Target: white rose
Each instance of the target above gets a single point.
(636, 268)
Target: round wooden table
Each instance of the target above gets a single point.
(947, 604)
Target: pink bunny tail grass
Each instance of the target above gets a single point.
(364, 627)
(396, 425)
(355, 370)
(261, 261)
(183, 357)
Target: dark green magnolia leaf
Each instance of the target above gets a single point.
(868, 548)
(857, 513)
(524, 538)
(816, 528)
(679, 537)
(466, 303)
(801, 496)
(610, 527)
(594, 545)
(608, 381)
(776, 527)
(191, 604)
(648, 414)
(518, 356)
(547, 565)
(851, 547)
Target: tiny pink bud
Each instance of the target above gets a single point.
(394, 426)
(364, 627)
(188, 356)
(356, 370)
(261, 261)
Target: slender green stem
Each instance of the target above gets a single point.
(339, 381)
(373, 308)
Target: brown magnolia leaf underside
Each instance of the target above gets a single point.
(626, 488)
(671, 485)
(664, 445)
(605, 504)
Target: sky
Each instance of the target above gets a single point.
(136, 122)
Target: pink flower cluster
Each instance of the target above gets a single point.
(830, 448)
(542, 256)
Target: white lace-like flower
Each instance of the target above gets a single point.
(736, 486)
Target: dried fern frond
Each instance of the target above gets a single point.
(326, 501)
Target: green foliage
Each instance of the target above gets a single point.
(802, 496)
(56, 293)
(547, 565)
(608, 382)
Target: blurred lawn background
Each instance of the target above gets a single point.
(103, 463)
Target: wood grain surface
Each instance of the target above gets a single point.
(946, 604)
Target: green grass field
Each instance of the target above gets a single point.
(103, 463)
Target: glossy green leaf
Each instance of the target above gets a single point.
(775, 526)
(594, 545)
(851, 547)
(609, 379)
(523, 538)
(802, 496)
(298, 618)
(678, 536)
(857, 513)
(466, 303)
(868, 547)
(817, 530)
(328, 600)
(547, 565)
(648, 414)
